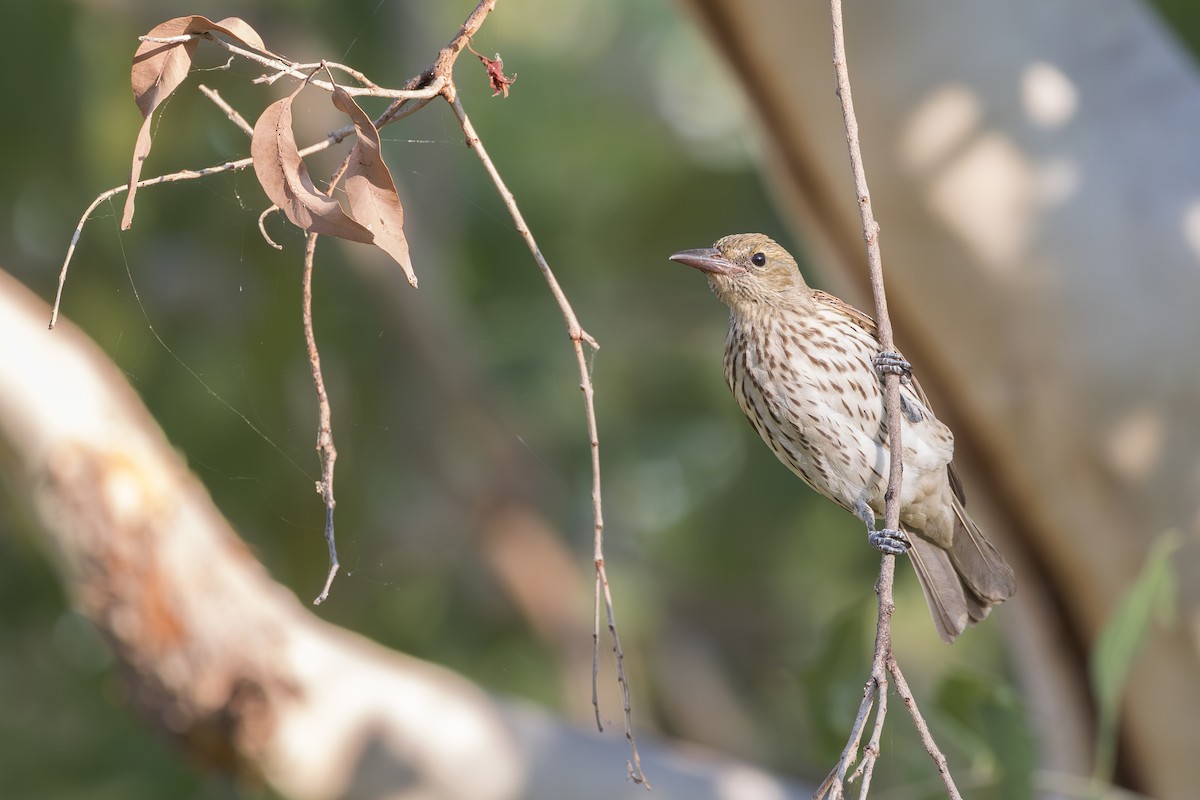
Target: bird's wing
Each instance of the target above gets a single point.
(956, 485)
(837, 303)
(866, 323)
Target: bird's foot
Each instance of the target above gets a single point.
(895, 364)
(889, 541)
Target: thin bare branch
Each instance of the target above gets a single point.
(234, 116)
(182, 39)
(281, 68)
(328, 65)
(450, 53)
(832, 786)
(262, 226)
(883, 661)
(325, 448)
(443, 65)
(399, 110)
(878, 683)
(578, 338)
(870, 230)
(183, 175)
(931, 747)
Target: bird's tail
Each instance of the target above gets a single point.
(961, 584)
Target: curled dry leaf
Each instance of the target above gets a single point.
(285, 178)
(159, 68)
(495, 71)
(370, 189)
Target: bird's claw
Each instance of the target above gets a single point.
(895, 364)
(889, 541)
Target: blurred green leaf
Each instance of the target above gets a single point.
(1119, 642)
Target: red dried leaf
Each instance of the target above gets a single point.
(495, 72)
(285, 179)
(370, 189)
(159, 68)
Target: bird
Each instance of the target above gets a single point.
(806, 369)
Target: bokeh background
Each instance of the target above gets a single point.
(464, 517)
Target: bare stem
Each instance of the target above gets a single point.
(871, 753)
(578, 338)
(325, 448)
(399, 110)
(230, 111)
(879, 676)
(883, 661)
(262, 226)
(444, 64)
(282, 67)
(832, 786)
(442, 67)
(931, 747)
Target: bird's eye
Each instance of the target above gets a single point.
(758, 259)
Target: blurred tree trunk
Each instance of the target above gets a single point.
(1033, 167)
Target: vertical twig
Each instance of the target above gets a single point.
(883, 661)
(870, 230)
(325, 448)
(878, 684)
(578, 338)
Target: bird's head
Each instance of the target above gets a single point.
(746, 270)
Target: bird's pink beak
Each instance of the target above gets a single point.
(708, 259)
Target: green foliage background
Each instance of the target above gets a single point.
(622, 141)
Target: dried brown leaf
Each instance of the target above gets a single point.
(237, 28)
(285, 178)
(159, 68)
(495, 72)
(370, 189)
